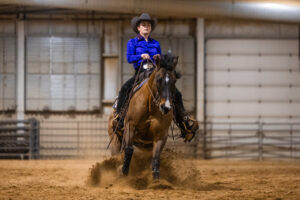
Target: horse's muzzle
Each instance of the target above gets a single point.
(164, 109)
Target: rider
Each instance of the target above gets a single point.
(142, 51)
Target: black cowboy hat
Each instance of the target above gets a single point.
(144, 17)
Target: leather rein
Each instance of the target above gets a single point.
(154, 99)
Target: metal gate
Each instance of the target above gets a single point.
(74, 139)
(19, 139)
(252, 141)
(82, 139)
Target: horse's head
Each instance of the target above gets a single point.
(165, 79)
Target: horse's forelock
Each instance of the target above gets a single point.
(167, 61)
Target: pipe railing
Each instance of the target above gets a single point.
(252, 140)
(65, 139)
(19, 139)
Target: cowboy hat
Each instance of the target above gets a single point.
(144, 17)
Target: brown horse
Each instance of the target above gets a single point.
(149, 115)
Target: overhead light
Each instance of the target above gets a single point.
(277, 6)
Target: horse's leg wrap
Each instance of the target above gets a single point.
(127, 158)
(155, 168)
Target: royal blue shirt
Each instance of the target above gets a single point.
(138, 46)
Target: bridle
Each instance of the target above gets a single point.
(154, 100)
(156, 97)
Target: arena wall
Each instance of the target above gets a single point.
(74, 67)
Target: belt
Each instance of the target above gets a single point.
(148, 66)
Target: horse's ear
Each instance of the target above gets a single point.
(157, 61)
(175, 61)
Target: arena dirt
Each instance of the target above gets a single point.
(180, 179)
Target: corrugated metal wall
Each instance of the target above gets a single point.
(63, 66)
(82, 69)
(252, 90)
(246, 79)
(252, 79)
(7, 65)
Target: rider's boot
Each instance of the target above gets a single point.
(118, 122)
(187, 125)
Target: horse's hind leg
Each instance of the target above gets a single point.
(128, 149)
(157, 149)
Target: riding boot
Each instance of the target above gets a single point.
(185, 123)
(118, 121)
(118, 125)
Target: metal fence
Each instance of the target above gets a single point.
(252, 140)
(19, 139)
(81, 139)
(69, 139)
(214, 140)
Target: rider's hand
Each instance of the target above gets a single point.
(145, 56)
(156, 56)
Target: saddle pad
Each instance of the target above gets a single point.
(140, 85)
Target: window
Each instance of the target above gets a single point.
(63, 73)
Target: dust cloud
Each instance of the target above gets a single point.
(175, 172)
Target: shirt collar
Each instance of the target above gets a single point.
(139, 37)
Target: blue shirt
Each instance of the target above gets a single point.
(138, 46)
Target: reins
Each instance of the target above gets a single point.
(155, 100)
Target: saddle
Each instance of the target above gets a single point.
(143, 77)
(137, 87)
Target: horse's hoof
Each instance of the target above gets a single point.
(125, 171)
(155, 176)
(155, 180)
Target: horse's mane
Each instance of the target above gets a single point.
(167, 63)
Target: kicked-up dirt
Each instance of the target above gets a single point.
(181, 178)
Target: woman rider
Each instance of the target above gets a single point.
(140, 50)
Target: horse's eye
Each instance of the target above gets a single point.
(159, 79)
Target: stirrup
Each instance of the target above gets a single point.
(118, 127)
(115, 105)
(189, 130)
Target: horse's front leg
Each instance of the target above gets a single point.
(128, 148)
(157, 149)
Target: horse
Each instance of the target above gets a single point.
(149, 115)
